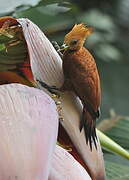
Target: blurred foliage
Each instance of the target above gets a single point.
(120, 132)
(117, 168)
(110, 47)
(9, 6)
(116, 171)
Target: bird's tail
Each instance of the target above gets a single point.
(89, 124)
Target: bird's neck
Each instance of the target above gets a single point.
(73, 50)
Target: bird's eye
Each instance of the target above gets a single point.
(73, 42)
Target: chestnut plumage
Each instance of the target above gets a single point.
(81, 77)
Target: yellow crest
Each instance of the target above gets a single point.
(79, 31)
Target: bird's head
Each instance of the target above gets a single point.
(77, 36)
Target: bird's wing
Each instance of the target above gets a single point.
(88, 90)
(85, 81)
(82, 72)
(87, 87)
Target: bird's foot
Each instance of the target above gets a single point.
(56, 45)
(57, 48)
(52, 89)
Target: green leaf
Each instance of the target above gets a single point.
(117, 167)
(115, 171)
(53, 9)
(112, 146)
(2, 47)
(120, 132)
(10, 6)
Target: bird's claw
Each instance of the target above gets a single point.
(51, 89)
(57, 48)
(56, 45)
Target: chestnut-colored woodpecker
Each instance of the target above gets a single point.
(81, 77)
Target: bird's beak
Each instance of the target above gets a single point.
(64, 47)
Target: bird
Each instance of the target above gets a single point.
(81, 76)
